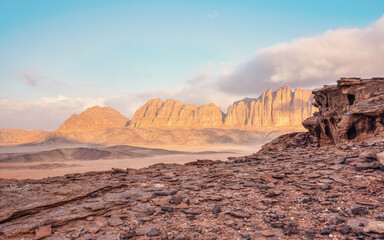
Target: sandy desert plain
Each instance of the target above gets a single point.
(55, 167)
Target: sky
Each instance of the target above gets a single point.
(58, 58)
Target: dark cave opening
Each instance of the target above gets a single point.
(351, 99)
(351, 133)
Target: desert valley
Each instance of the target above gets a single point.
(100, 137)
(191, 120)
(334, 171)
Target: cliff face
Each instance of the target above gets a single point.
(93, 119)
(352, 110)
(173, 114)
(281, 108)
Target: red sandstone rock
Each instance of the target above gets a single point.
(351, 111)
(93, 119)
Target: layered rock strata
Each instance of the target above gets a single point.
(351, 111)
(273, 108)
(301, 193)
(173, 114)
(281, 108)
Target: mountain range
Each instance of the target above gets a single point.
(171, 122)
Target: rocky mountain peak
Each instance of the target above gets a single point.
(93, 119)
(280, 108)
(173, 114)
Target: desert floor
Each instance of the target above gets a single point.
(37, 170)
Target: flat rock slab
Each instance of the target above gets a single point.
(298, 193)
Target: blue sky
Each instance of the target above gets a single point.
(132, 50)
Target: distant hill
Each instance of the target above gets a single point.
(251, 120)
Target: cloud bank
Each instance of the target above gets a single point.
(305, 62)
(47, 113)
(312, 62)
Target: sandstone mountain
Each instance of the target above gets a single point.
(273, 109)
(281, 108)
(171, 122)
(173, 114)
(93, 119)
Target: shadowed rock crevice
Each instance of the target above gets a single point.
(350, 111)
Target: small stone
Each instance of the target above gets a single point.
(325, 187)
(190, 212)
(290, 229)
(267, 177)
(145, 197)
(165, 193)
(163, 234)
(267, 233)
(345, 230)
(380, 157)
(127, 235)
(43, 232)
(95, 206)
(267, 220)
(239, 214)
(358, 210)
(153, 233)
(115, 221)
(176, 199)
(278, 225)
(325, 231)
(182, 205)
(273, 193)
(216, 209)
(249, 184)
(375, 226)
(167, 208)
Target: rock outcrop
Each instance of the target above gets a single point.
(273, 109)
(281, 108)
(171, 122)
(291, 194)
(93, 119)
(351, 111)
(173, 114)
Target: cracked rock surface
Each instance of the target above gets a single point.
(333, 192)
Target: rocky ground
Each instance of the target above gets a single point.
(333, 192)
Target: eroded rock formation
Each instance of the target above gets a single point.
(171, 122)
(281, 108)
(351, 111)
(292, 194)
(173, 114)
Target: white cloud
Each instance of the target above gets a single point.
(312, 62)
(305, 62)
(47, 113)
